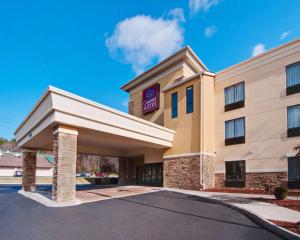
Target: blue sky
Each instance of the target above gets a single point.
(91, 48)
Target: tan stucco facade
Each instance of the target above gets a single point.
(175, 72)
(136, 96)
(266, 144)
(186, 126)
(190, 147)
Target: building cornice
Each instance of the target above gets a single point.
(259, 60)
(184, 54)
(176, 84)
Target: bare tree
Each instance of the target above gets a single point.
(96, 164)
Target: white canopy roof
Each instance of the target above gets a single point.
(101, 129)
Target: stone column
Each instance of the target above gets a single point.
(64, 167)
(123, 171)
(29, 170)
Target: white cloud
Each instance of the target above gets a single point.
(210, 31)
(284, 34)
(124, 103)
(141, 39)
(201, 5)
(258, 49)
(177, 14)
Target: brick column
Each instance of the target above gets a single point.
(64, 167)
(29, 170)
(123, 171)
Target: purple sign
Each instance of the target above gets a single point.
(151, 98)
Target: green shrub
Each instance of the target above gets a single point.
(280, 193)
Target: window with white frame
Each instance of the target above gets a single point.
(235, 173)
(234, 96)
(293, 74)
(293, 119)
(293, 78)
(235, 131)
(294, 172)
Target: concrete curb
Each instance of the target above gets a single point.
(45, 201)
(49, 203)
(279, 231)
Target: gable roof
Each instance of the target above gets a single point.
(10, 160)
(185, 54)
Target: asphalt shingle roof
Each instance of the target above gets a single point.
(9, 160)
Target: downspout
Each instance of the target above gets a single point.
(201, 130)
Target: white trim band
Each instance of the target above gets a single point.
(267, 170)
(290, 155)
(261, 170)
(188, 155)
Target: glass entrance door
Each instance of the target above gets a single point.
(150, 174)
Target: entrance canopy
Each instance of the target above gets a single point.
(101, 130)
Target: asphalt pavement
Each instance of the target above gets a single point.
(158, 215)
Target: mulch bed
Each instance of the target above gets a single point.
(294, 227)
(248, 191)
(287, 203)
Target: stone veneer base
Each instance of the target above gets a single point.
(257, 180)
(184, 172)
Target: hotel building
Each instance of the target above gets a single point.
(186, 127)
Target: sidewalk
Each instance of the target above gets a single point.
(262, 209)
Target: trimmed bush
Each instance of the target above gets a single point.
(280, 193)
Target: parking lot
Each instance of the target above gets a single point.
(156, 215)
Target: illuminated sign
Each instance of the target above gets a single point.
(151, 98)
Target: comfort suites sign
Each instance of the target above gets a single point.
(151, 98)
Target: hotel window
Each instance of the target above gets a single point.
(189, 99)
(234, 96)
(293, 121)
(174, 103)
(293, 172)
(235, 174)
(235, 131)
(293, 78)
